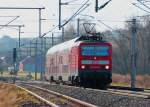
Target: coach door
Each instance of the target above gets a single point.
(73, 61)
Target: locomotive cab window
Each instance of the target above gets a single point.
(95, 50)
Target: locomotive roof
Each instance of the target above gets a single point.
(73, 42)
(62, 46)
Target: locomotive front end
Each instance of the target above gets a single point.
(95, 64)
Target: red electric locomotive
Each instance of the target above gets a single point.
(85, 61)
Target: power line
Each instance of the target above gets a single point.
(72, 1)
(7, 16)
(9, 22)
(100, 21)
(50, 31)
(143, 4)
(84, 6)
(77, 4)
(105, 24)
(145, 1)
(97, 8)
(140, 7)
(78, 12)
(22, 8)
(12, 28)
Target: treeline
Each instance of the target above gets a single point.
(122, 48)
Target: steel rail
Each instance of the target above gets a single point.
(144, 95)
(37, 96)
(139, 94)
(70, 99)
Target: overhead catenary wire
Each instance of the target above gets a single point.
(105, 20)
(73, 4)
(10, 22)
(50, 31)
(77, 12)
(75, 15)
(105, 24)
(8, 16)
(82, 8)
(145, 1)
(143, 4)
(71, 1)
(9, 27)
(140, 8)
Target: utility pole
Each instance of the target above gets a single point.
(19, 41)
(44, 51)
(40, 22)
(97, 7)
(78, 27)
(45, 46)
(59, 14)
(19, 35)
(36, 65)
(133, 54)
(15, 64)
(41, 38)
(30, 54)
(63, 34)
(30, 48)
(52, 39)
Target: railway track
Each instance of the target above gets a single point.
(143, 94)
(46, 102)
(101, 98)
(59, 100)
(140, 92)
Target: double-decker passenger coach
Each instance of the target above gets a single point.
(85, 61)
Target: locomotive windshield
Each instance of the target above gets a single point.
(95, 50)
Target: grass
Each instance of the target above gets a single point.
(24, 74)
(11, 96)
(142, 81)
(21, 74)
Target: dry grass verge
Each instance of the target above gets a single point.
(11, 96)
(142, 81)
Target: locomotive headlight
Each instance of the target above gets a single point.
(107, 67)
(83, 67)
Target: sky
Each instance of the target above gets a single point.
(113, 15)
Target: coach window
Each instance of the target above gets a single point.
(52, 61)
(60, 59)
